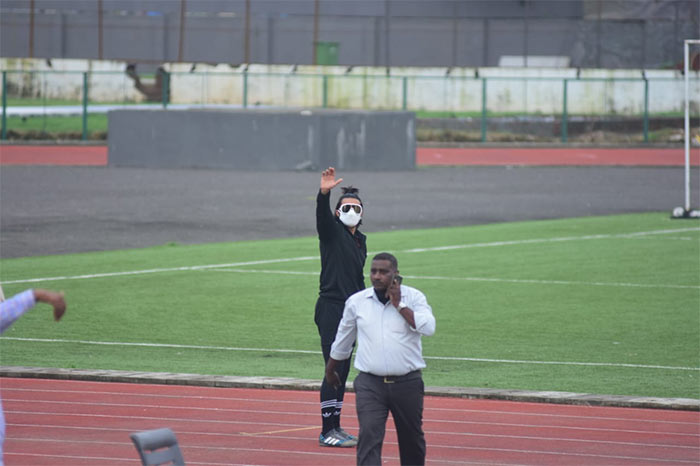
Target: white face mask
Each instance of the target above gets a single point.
(350, 218)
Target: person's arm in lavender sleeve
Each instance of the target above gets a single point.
(16, 306)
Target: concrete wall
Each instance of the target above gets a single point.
(262, 139)
(527, 90)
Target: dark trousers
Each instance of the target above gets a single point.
(328, 392)
(327, 317)
(403, 397)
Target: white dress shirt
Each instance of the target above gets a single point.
(386, 344)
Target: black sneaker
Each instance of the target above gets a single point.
(333, 438)
(342, 432)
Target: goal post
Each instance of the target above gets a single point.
(686, 211)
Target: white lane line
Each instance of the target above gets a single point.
(278, 350)
(8, 401)
(100, 459)
(432, 433)
(486, 279)
(267, 401)
(207, 448)
(46, 415)
(306, 258)
(163, 270)
(130, 460)
(427, 419)
(551, 240)
(157, 395)
(559, 282)
(161, 345)
(476, 448)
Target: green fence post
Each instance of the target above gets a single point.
(165, 92)
(4, 105)
(483, 109)
(85, 105)
(404, 83)
(325, 91)
(646, 110)
(245, 88)
(564, 114)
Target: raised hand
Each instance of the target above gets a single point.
(328, 180)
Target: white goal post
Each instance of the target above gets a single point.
(686, 210)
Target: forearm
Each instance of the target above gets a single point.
(332, 376)
(409, 316)
(324, 217)
(331, 365)
(418, 314)
(54, 299)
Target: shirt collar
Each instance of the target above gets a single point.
(372, 294)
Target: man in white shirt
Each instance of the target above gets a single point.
(388, 321)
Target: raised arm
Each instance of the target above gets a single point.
(325, 221)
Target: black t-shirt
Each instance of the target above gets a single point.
(343, 254)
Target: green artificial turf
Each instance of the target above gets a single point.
(607, 305)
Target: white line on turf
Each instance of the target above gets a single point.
(306, 258)
(169, 269)
(551, 240)
(277, 350)
(485, 279)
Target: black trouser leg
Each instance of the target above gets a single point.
(372, 411)
(332, 399)
(406, 406)
(327, 317)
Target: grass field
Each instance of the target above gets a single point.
(607, 305)
(49, 127)
(71, 126)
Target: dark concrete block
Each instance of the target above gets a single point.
(262, 139)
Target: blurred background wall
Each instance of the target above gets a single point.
(440, 33)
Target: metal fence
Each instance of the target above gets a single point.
(478, 107)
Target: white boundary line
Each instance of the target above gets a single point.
(481, 279)
(163, 270)
(306, 258)
(278, 350)
(657, 460)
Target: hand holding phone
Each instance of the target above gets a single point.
(393, 291)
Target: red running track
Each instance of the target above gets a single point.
(60, 422)
(555, 156)
(97, 155)
(53, 155)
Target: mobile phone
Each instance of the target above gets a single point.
(398, 279)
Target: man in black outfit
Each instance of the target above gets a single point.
(343, 254)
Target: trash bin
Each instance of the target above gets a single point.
(327, 53)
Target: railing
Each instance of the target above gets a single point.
(481, 100)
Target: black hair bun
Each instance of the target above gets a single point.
(349, 190)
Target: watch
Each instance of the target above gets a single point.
(401, 305)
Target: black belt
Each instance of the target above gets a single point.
(397, 378)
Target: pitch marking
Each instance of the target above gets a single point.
(484, 279)
(306, 258)
(277, 350)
